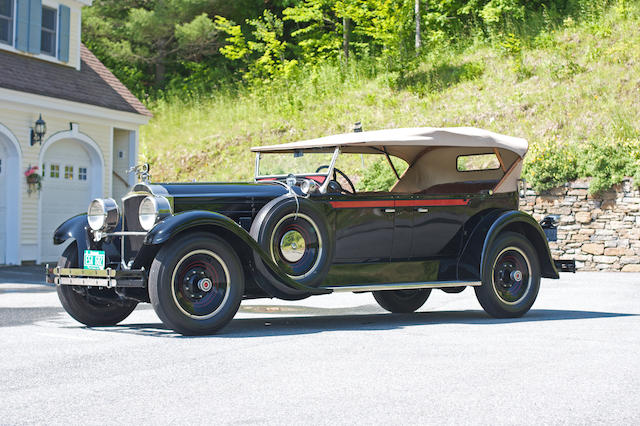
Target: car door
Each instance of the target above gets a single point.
(436, 224)
(364, 227)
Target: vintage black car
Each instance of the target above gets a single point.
(196, 250)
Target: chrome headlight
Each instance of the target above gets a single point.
(308, 186)
(152, 209)
(103, 214)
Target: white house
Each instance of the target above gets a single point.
(91, 120)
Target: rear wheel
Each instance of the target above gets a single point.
(196, 284)
(510, 277)
(94, 307)
(402, 301)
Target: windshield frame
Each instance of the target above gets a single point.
(332, 164)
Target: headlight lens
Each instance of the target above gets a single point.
(103, 214)
(151, 210)
(308, 186)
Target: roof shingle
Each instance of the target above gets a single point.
(94, 84)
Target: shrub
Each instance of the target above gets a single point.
(608, 162)
(550, 164)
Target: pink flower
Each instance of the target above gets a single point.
(31, 170)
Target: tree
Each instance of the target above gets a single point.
(418, 32)
(144, 40)
(263, 53)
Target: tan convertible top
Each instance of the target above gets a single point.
(408, 144)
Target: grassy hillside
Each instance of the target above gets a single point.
(573, 92)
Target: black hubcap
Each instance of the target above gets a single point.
(511, 276)
(200, 284)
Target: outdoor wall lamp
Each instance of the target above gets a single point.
(37, 132)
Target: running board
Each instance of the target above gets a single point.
(402, 286)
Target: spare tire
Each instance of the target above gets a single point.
(296, 237)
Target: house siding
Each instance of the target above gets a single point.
(22, 47)
(19, 123)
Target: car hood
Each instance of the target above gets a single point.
(214, 189)
(231, 199)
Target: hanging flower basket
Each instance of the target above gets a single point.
(34, 180)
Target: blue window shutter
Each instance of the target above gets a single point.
(63, 33)
(35, 24)
(22, 25)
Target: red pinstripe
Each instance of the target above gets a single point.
(398, 203)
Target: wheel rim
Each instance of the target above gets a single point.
(296, 245)
(200, 284)
(511, 277)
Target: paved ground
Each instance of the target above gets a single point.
(333, 359)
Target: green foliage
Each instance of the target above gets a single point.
(550, 164)
(221, 76)
(264, 54)
(438, 77)
(379, 176)
(608, 162)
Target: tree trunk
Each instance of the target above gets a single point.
(346, 33)
(418, 31)
(160, 72)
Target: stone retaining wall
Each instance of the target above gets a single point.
(601, 233)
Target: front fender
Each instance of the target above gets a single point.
(176, 225)
(471, 262)
(76, 228)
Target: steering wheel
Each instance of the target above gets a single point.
(337, 171)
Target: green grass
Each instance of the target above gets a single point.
(571, 87)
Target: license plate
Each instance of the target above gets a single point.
(94, 259)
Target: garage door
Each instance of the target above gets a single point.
(66, 190)
(3, 204)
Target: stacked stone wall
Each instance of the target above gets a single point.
(601, 233)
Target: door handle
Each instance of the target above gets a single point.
(423, 210)
(389, 210)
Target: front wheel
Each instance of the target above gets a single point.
(94, 307)
(402, 301)
(196, 284)
(510, 277)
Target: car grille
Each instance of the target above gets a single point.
(132, 243)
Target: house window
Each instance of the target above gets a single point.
(0, 166)
(6, 21)
(54, 171)
(43, 171)
(82, 173)
(48, 37)
(68, 172)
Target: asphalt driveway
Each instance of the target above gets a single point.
(335, 359)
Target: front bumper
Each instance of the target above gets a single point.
(109, 278)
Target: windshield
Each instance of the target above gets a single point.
(368, 172)
(306, 163)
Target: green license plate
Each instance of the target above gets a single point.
(94, 259)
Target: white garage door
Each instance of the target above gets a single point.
(3, 204)
(66, 190)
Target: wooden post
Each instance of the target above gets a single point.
(346, 24)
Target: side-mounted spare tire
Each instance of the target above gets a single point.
(296, 237)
